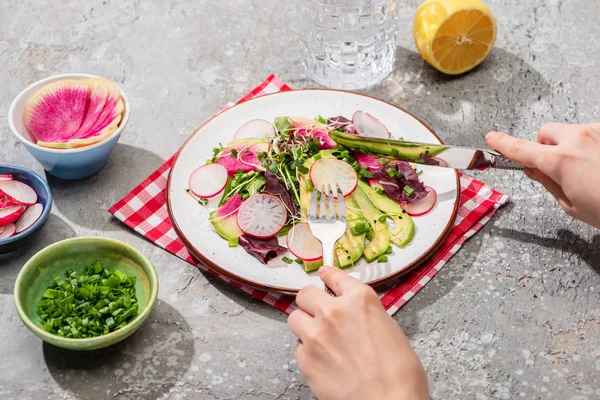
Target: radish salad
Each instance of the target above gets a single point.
(263, 180)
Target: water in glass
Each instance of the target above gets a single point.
(348, 44)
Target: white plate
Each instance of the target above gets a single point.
(191, 220)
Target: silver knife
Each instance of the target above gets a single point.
(426, 153)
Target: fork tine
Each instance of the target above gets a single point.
(323, 206)
(312, 211)
(341, 204)
(332, 215)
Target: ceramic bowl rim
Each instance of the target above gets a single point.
(97, 341)
(47, 206)
(53, 78)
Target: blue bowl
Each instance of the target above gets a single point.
(70, 164)
(42, 189)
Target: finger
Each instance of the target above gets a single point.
(299, 322)
(310, 299)
(337, 279)
(553, 133)
(520, 151)
(550, 185)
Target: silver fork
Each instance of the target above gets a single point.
(327, 230)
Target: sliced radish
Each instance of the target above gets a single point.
(7, 203)
(257, 128)
(303, 244)
(8, 231)
(422, 206)
(10, 214)
(18, 192)
(208, 181)
(5, 177)
(327, 172)
(367, 125)
(262, 216)
(29, 217)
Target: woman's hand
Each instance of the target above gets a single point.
(349, 348)
(566, 160)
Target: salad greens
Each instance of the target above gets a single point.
(88, 304)
(278, 163)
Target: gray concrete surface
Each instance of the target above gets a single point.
(514, 315)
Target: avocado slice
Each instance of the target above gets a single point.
(226, 227)
(404, 226)
(381, 237)
(383, 147)
(350, 247)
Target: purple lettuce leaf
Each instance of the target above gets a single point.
(394, 187)
(274, 187)
(263, 250)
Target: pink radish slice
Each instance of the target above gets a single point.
(302, 243)
(5, 177)
(327, 172)
(18, 192)
(262, 216)
(208, 180)
(257, 128)
(8, 231)
(7, 203)
(367, 125)
(422, 206)
(10, 214)
(29, 217)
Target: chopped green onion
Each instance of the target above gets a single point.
(298, 261)
(287, 260)
(389, 250)
(408, 190)
(382, 218)
(233, 242)
(382, 259)
(88, 304)
(379, 190)
(309, 185)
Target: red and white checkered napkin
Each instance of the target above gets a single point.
(145, 210)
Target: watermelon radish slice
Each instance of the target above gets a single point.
(92, 136)
(367, 125)
(325, 142)
(423, 206)
(367, 160)
(18, 192)
(55, 113)
(302, 243)
(5, 177)
(262, 216)
(99, 94)
(208, 181)
(10, 214)
(8, 231)
(327, 172)
(256, 128)
(29, 217)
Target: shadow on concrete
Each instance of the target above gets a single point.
(86, 202)
(565, 241)
(144, 366)
(54, 230)
(462, 109)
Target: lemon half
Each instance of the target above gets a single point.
(454, 36)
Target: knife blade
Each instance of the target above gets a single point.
(463, 158)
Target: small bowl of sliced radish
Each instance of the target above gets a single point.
(25, 203)
(70, 123)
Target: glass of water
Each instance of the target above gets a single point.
(348, 44)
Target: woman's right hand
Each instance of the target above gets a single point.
(566, 160)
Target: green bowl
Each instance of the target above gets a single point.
(52, 261)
